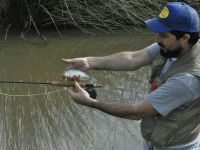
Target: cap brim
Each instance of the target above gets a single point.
(156, 26)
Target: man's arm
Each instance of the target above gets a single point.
(119, 61)
(136, 111)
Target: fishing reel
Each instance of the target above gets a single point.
(91, 90)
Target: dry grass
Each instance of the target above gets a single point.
(85, 15)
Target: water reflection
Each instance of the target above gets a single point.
(50, 121)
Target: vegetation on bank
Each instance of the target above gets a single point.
(86, 15)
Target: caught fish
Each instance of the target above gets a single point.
(75, 75)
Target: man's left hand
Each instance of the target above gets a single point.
(80, 96)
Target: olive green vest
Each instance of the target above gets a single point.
(181, 125)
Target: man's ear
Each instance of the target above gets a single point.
(186, 38)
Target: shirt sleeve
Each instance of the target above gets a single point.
(153, 50)
(176, 91)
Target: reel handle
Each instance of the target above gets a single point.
(90, 88)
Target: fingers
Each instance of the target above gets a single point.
(75, 89)
(78, 87)
(67, 61)
(75, 92)
(79, 95)
(72, 63)
(79, 63)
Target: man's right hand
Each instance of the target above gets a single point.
(79, 63)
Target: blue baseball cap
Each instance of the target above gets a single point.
(175, 16)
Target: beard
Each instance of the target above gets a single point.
(170, 54)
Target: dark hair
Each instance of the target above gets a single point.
(194, 36)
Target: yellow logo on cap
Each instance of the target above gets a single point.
(164, 13)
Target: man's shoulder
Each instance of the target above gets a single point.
(186, 77)
(190, 81)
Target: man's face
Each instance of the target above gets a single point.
(170, 46)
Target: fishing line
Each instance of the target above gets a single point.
(35, 94)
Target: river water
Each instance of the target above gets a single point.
(41, 117)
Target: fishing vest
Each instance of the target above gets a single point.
(181, 125)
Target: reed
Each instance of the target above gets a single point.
(86, 15)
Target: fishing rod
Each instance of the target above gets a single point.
(90, 88)
(53, 83)
(69, 76)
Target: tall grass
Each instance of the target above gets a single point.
(86, 15)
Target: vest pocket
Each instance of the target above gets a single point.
(163, 130)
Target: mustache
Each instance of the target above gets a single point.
(161, 45)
